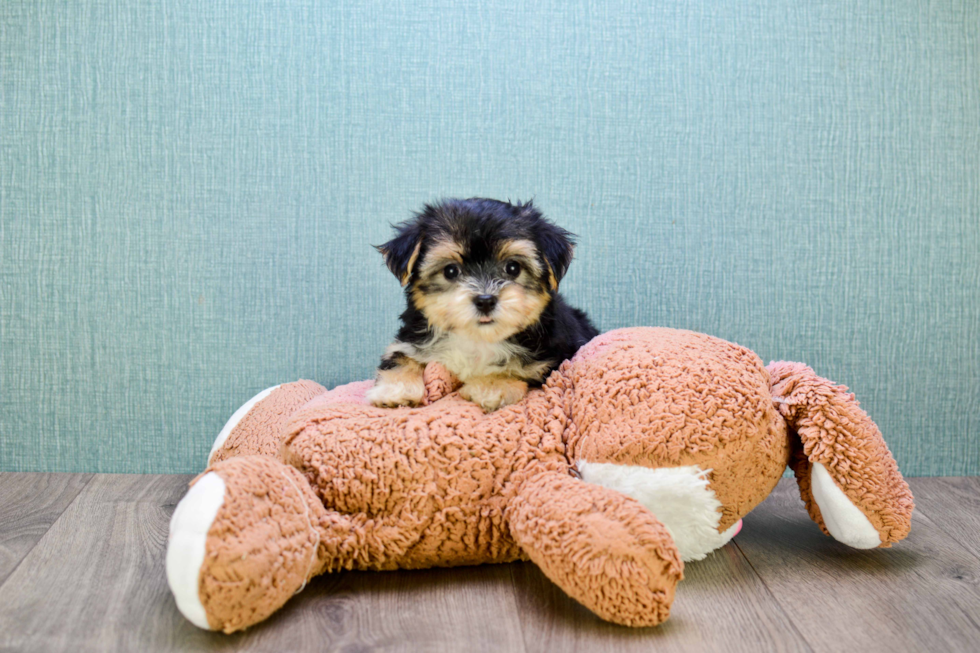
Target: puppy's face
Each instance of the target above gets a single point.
(486, 289)
(479, 268)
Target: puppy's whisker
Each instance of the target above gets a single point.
(493, 286)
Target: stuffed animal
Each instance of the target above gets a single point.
(644, 450)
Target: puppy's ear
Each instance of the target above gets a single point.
(402, 251)
(557, 247)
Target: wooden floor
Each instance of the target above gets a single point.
(82, 568)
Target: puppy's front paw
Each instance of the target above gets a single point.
(493, 392)
(389, 395)
(399, 386)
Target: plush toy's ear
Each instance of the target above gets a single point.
(556, 246)
(402, 251)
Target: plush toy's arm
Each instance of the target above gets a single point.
(848, 479)
(602, 548)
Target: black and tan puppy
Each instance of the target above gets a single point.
(481, 278)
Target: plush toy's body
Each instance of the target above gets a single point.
(645, 449)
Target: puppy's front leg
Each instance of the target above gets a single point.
(398, 381)
(493, 391)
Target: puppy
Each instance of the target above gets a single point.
(481, 279)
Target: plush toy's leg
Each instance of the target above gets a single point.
(604, 549)
(256, 427)
(848, 479)
(247, 536)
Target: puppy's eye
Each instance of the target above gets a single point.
(513, 268)
(451, 271)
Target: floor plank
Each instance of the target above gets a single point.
(466, 609)
(469, 609)
(29, 504)
(953, 505)
(96, 581)
(921, 594)
(721, 605)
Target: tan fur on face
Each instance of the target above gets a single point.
(475, 350)
(493, 392)
(411, 263)
(399, 386)
(439, 255)
(453, 310)
(552, 279)
(525, 250)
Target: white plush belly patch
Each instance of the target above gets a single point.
(678, 496)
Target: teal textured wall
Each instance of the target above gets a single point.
(189, 191)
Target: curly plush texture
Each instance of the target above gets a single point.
(667, 398)
(244, 581)
(431, 482)
(252, 434)
(835, 432)
(318, 481)
(604, 549)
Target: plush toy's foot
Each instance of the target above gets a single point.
(256, 427)
(243, 540)
(840, 516)
(848, 479)
(189, 528)
(602, 548)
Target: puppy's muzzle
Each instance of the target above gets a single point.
(485, 303)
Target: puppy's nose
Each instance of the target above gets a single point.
(485, 303)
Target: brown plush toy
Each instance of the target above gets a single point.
(646, 449)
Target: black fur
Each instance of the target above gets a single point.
(556, 336)
(398, 251)
(482, 224)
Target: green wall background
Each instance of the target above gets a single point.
(189, 192)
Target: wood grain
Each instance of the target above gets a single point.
(721, 605)
(469, 609)
(921, 594)
(29, 504)
(953, 505)
(95, 581)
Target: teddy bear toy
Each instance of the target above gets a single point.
(644, 450)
